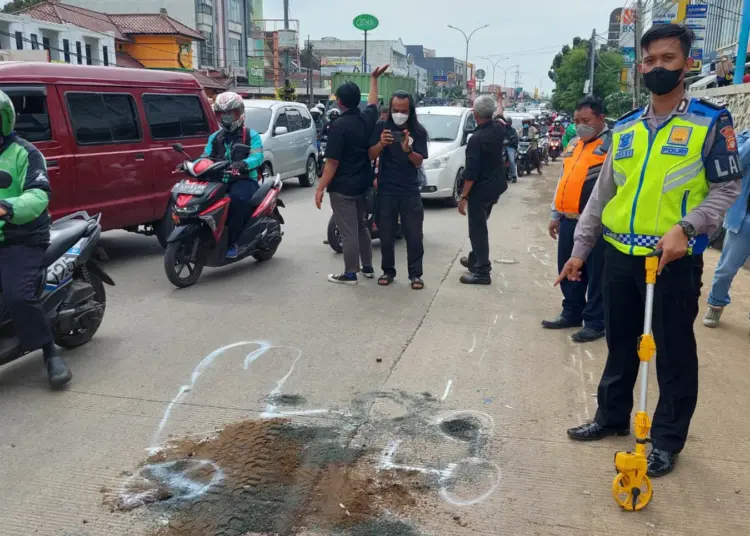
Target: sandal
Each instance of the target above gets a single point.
(417, 284)
(385, 280)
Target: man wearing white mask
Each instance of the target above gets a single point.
(401, 144)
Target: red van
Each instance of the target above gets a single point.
(107, 135)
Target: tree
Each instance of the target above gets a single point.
(18, 5)
(571, 71)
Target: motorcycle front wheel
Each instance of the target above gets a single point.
(181, 271)
(334, 237)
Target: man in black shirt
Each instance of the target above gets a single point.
(348, 174)
(484, 182)
(401, 145)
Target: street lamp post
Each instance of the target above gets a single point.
(468, 38)
(494, 65)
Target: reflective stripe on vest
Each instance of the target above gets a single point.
(660, 177)
(581, 163)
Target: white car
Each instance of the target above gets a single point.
(289, 137)
(448, 130)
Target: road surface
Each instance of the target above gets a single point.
(354, 410)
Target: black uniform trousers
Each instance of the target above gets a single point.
(675, 310)
(409, 210)
(479, 210)
(20, 269)
(240, 192)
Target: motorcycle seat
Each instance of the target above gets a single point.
(261, 194)
(63, 235)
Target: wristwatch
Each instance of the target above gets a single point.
(464, 197)
(687, 228)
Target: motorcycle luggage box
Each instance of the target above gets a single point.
(63, 236)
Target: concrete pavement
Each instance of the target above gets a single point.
(447, 407)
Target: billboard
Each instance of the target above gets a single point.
(255, 72)
(613, 36)
(666, 12)
(627, 36)
(347, 64)
(696, 17)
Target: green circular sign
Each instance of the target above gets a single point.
(366, 22)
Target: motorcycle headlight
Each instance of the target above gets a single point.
(437, 163)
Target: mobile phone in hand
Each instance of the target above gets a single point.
(398, 136)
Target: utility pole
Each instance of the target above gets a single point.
(286, 27)
(638, 54)
(592, 61)
(310, 96)
(739, 68)
(466, 62)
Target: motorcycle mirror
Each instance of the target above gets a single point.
(179, 148)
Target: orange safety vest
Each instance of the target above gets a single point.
(582, 163)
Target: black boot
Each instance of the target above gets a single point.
(561, 323)
(58, 372)
(476, 279)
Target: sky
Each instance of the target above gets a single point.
(515, 27)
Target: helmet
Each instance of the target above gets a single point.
(320, 107)
(7, 115)
(315, 111)
(230, 110)
(333, 113)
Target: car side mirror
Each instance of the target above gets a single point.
(278, 131)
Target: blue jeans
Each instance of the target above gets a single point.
(734, 255)
(582, 300)
(512, 158)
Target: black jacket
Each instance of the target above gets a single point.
(484, 163)
(512, 136)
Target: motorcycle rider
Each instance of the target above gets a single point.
(230, 110)
(331, 116)
(511, 145)
(317, 117)
(528, 130)
(557, 128)
(24, 237)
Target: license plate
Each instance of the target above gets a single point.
(189, 188)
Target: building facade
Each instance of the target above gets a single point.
(348, 55)
(440, 71)
(722, 28)
(226, 26)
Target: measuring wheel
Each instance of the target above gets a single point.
(629, 497)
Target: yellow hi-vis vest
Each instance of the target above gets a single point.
(659, 175)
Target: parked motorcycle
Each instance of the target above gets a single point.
(200, 209)
(70, 286)
(555, 146)
(523, 156)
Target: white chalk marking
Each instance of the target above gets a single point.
(506, 261)
(270, 406)
(447, 389)
(448, 496)
(495, 321)
(512, 316)
(481, 358)
(484, 419)
(580, 420)
(589, 355)
(473, 342)
(538, 284)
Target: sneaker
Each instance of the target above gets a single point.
(368, 272)
(344, 279)
(233, 252)
(713, 316)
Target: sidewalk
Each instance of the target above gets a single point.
(488, 358)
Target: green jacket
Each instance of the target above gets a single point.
(570, 133)
(24, 194)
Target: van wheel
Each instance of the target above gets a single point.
(311, 173)
(165, 227)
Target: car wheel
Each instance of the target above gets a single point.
(311, 173)
(458, 186)
(266, 171)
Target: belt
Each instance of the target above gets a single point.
(570, 216)
(638, 240)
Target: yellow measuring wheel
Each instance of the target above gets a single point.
(632, 488)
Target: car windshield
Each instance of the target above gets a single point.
(440, 127)
(257, 119)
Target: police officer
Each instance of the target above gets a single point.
(670, 176)
(24, 237)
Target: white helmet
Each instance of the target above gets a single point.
(320, 107)
(315, 111)
(230, 111)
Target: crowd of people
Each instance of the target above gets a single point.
(391, 140)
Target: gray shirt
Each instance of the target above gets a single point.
(706, 217)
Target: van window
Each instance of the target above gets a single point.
(101, 118)
(175, 116)
(32, 119)
(306, 118)
(281, 121)
(294, 119)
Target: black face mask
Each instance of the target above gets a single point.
(661, 81)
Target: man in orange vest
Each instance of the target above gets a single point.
(582, 161)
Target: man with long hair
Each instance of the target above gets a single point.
(401, 144)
